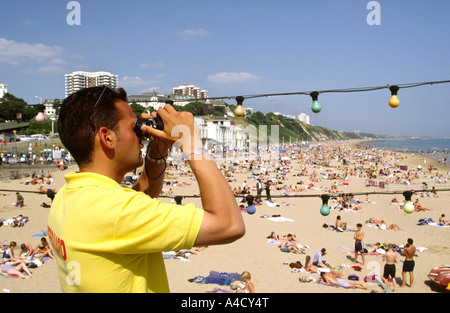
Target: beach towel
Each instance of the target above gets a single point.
(322, 283)
(273, 241)
(431, 223)
(350, 250)
(218, 278)
(45, 233)
(425, 221)
(174, 255)
(338, 229)
(233, 276)
(272, 204)
(280, 219)
(8, 276)
(219, 290)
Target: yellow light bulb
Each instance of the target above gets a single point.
(408, 207)
(394, 102)
(239, 110)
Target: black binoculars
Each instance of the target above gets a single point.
(155, 122)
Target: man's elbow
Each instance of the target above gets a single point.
(238, 233)
(233, 233)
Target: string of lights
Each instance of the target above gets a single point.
(408, 206)
(316, 108)
(360, 193)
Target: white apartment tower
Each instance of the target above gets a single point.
(79, 80)
(3, 90)
(303, 118)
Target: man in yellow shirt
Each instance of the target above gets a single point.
(110, 239)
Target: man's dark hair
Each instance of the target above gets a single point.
(80, 118)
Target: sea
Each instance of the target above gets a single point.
(436, 148)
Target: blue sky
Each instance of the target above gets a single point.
(245, 47)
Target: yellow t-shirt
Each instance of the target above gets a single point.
(108, 238)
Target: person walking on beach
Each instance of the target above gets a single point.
(359, 246)
(390, 257)
(108, 238)
(268, 184)
(259, 189)
(409, 263)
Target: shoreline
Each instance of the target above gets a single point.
(265, 261)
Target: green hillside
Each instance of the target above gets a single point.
(294, 130)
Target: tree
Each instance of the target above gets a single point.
(10, 106)
(36, 128)
(28, 113)
(138, 109)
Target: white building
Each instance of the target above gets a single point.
(79, 80)
(303, 118)
(49, 110)
(152, 99)
(3, 90)
(190, 91)
(222, 133)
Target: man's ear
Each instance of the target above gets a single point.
(106, 137)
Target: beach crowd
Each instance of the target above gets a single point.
(283, 173)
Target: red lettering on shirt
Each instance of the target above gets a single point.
(57, 243)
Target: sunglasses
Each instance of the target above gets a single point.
(100, 97)
(97, 102)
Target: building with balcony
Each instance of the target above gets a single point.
(79, 80)
(190, 91)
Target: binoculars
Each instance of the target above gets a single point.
(155, 122)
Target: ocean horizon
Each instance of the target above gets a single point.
(436, 148)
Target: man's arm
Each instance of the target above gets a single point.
(222, 221)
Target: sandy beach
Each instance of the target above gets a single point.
(296, 215)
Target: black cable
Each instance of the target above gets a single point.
(162, 157)
(319, 195)
(356, 89)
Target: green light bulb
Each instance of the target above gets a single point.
(325, 210)
(316, 108)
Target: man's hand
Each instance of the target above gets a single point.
(180, 129)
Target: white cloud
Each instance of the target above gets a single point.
(154, 65)
(189, 33)
(150, 89)
(16, 53)
(136, 82)
(133, 81)
(232, 77)
(51, 68)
